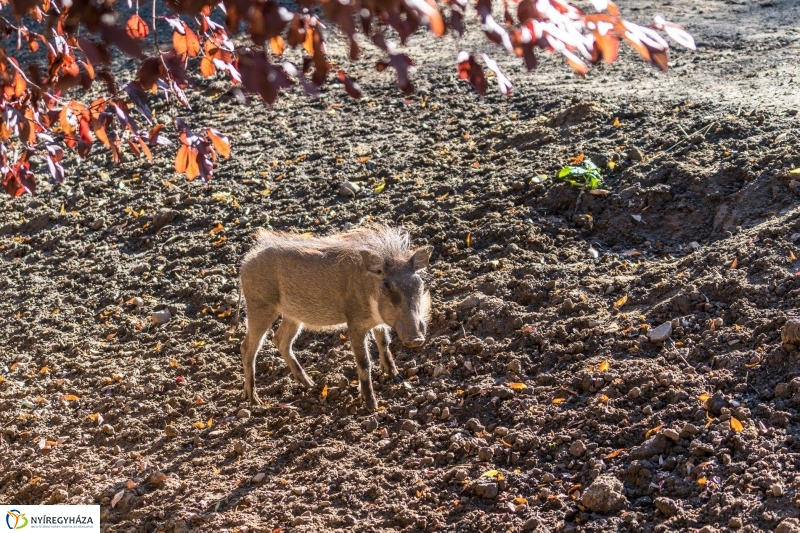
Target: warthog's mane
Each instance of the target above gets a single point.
(390, 243)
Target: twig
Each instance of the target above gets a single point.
(577, 203)
(683, 131)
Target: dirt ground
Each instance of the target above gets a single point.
(533, 283)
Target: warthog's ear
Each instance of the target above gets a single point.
(421, 257)
(372, 262)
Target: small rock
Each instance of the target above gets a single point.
(350, 520)
(161, 317)
(171, 432)
(301, 521)
(258, 478)
(137, 302)
(348, 188)
(567, 306)
(243, 414)
(431, 396)
(371, 424)
(445, 413)
(501, 431)
(634, 154)
(635, 392)
(671, 434)
(299, 491)
(486, 490)
(790, 332)
(707, 529)
(735, 523)
(666, 506)
(108, 429)
(239, 447)
(790, 525)
(604, 495)
(577, 449)
(776, 489)
(661, 333)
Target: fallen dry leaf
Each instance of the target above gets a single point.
(736, 425)
(653, 431)
(621, 301)
(605, 366)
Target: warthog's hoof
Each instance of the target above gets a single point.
(305, 381)
(254, 399)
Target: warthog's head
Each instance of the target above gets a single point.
(403, 301)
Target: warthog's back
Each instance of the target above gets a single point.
(319, 281)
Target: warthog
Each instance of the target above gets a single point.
(367, 279)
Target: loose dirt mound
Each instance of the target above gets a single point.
(539, 402)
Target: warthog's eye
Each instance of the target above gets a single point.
(387, 285)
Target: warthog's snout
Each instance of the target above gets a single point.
(414, 343)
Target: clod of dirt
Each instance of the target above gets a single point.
(776, 489)
(163, 217)
(474, 425)
(58, 496)
(485, 489)
(634, 154)
(410, 425)
(348, 188)
(716, 403)
(171, 432)
(661, 333)
(604, 495)
(240, 447)
(243, 414)
(108, 429)
(531, 524)
(666, 506)
(671, 434)
(790, 525)
(653, 446)
(580, 112)
(157, 479)
(790, 333)
(161, 317)
(735, 523)
(258, 478)
(577, 449)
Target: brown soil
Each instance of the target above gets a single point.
(533, 283)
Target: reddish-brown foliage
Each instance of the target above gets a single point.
(73, 44)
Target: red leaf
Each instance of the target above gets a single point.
(137, 28)
(207, 68)
(221, 143)
(350, 86)
(469, 69)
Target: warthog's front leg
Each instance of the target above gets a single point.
(361, 352)
(382, 339)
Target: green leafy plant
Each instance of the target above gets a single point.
(586, 176)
